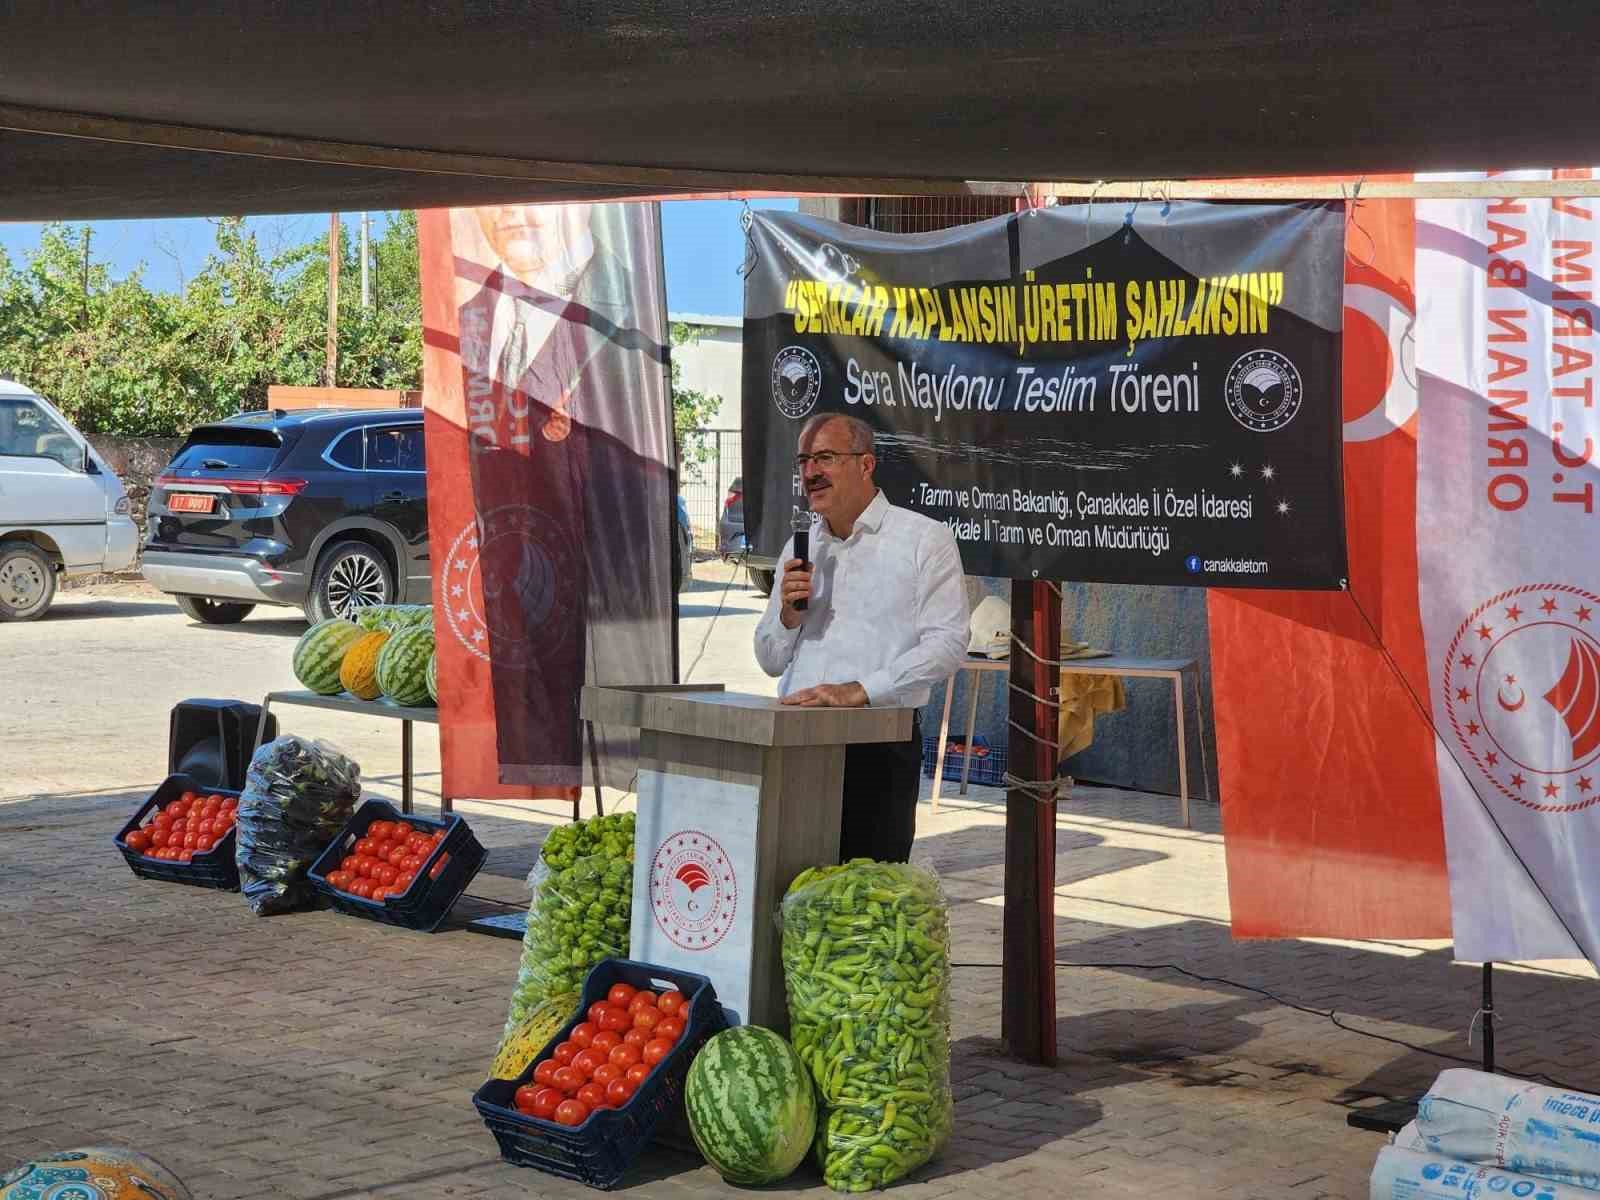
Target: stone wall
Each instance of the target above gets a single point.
(137, 462)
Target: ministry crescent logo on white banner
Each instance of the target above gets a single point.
(1522, 691)
(694, 890)
(1263, 390)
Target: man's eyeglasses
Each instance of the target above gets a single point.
(826, 459)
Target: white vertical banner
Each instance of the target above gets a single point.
(694, 876)
(1508, 536)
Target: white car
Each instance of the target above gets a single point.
(62, 510)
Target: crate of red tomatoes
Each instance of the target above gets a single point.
(184, 834)
(398, 869)
(588, 1105)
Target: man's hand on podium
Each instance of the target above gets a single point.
(829, 695)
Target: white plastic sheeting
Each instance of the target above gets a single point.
(1520, 1127)
(1409, 1175)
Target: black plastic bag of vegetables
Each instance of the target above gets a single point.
(297, 796)
(866, 963)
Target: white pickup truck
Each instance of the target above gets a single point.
(62, 510)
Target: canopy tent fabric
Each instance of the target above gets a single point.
(143, 109)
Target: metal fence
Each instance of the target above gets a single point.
(712, 461)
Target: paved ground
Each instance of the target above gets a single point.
(317, 1056)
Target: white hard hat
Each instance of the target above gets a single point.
(991, 628)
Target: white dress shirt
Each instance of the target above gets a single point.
(888, 609)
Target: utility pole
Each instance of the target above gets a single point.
(86, 232)
(366, 283)
(333, 300)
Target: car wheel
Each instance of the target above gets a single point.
(27, 582)
(350, 575)
(761, 580)
(213, 612)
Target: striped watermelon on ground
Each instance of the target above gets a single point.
(752, 1109)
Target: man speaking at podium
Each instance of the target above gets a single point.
(884, 619)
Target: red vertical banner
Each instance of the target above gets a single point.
(548, 443)
(1330, 793)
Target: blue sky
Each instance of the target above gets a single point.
(702, 242)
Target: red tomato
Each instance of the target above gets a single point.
(620, 994)
(642, 996)
(595, 1009)
(205, 842)
(582, 1035)
(138, 840)
(646, 1017)
(655, 1051)
(335, 880)
(381, 892)
(362, 888)
(213, 804)
(625, 1055)
(606, 1072)
(586, 1061)
(364, 867)
(524, 1097)
(163, 821)
(545, 1102)
(190, 840)
(411, 864)
(671, 1003)
(615, 1020)
(637, 1073)
(366, 846)
(593, 1095)
(381, 831)
(571, 1112)
(567, 1079)
(433, 871)
(385, 873)
(620, 1091)
(186, 856)
(159, 838)
(605, 1040)
(185, 798)
(564, 1053)
(670, 1028)
(543, 1073)
(635, 1037)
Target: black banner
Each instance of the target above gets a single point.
(1087, 393)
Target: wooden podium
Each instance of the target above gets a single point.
(737, 795)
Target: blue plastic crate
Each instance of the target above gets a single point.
(988, 762)
(427, 902)
(215, 868)
(600, 1151)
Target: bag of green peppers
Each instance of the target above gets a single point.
(866, 962)
(581, 910)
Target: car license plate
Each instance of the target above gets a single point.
(191, 502)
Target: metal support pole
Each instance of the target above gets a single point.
(1488, 1017)
(366, 241)
(405, 766)
(1028, 977)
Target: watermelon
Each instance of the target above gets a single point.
(320, 653)
(751, 1106)
(392, 618)
(433, 677)
(403, 666)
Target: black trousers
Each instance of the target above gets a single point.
(881, 784)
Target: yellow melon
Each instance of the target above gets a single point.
(358, 674)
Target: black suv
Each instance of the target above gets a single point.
(326, 509)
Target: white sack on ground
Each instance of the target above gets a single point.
(1509, 1123)
(1407, 1175)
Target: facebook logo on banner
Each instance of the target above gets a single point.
(1192, 563)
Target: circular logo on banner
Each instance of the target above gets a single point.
(796, 381)
(693, 890)
(1522, 690)
(519, 563)
(1263, 390)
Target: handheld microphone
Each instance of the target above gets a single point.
(802, 547)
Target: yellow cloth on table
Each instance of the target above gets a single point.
(1083, 698)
